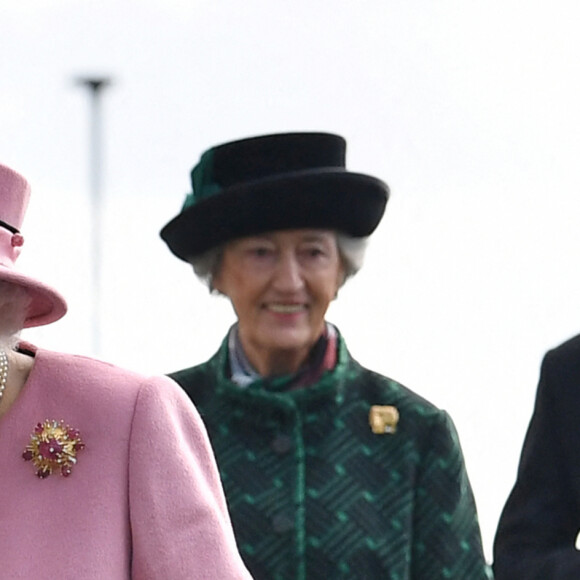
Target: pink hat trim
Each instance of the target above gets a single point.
(10, 247)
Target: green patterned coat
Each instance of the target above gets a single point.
(314, 493)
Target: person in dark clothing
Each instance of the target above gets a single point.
(538, 528)
(330, 470)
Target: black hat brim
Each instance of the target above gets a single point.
(350, 203)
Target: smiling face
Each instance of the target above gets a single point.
(280, 285)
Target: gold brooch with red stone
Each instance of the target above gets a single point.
(53, 447)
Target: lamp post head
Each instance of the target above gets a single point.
(95, 84)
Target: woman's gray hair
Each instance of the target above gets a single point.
(207, 265)
(14, 304)
(351, 251)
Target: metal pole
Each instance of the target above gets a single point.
(95, 86)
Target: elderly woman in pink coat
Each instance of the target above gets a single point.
(106, 474)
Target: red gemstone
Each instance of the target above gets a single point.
(27, 455)
(50, 448)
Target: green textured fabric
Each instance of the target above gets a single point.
(314, 493)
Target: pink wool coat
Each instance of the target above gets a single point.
(143, 501)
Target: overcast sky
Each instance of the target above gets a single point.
(469, 110)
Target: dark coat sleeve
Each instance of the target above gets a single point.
(537, 530)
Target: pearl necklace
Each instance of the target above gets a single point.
(3, 371)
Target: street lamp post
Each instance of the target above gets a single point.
(95, 85)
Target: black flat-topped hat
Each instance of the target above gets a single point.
(274, 182)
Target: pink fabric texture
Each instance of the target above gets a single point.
(47, 305)
(143, 501)
(15, 195)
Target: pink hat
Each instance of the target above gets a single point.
(47, 304)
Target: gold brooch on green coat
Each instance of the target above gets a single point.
(383, 419)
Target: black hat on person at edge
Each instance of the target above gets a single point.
(274, 182)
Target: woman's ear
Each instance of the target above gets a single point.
(215, 286)
(341, 278)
